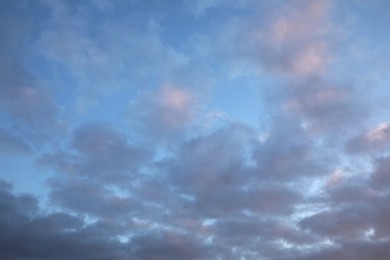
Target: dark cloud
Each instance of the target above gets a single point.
(168, 245)
(27, 234)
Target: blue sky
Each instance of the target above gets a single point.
(205, 129)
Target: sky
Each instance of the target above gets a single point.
(204, 129)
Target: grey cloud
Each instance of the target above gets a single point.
(289, 154)
(93, 199)
(211, 162)
(271, 201)
(215, 171)
(356, 250)
(375, 140)
(244, 227)
(325, 105)
(168, 245)
(349, 222)
(100, 151)
(380, 178)
(27, 234)
(209, 176)
(350, 193)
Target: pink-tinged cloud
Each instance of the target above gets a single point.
(374, 140)
(175, 105)
(165, 112)
(380, 133)
(298, 39)
(336, 178)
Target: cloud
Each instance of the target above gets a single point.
(289, 153)
(380, 177)
(27, 233)
(28, 109)
(359, 250)
(284, 38)
(100, 151)
(108, 52)
(211, 161)
(168, 177)
(88, 197)
(325, 105)
(296, 39)
(348, 222)
(164, 113)
(374, 140)
(168, 245)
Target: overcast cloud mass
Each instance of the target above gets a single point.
(205, 129)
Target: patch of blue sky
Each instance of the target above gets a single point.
(25, 176)
(240, 99)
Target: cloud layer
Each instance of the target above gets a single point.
(117, 106)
